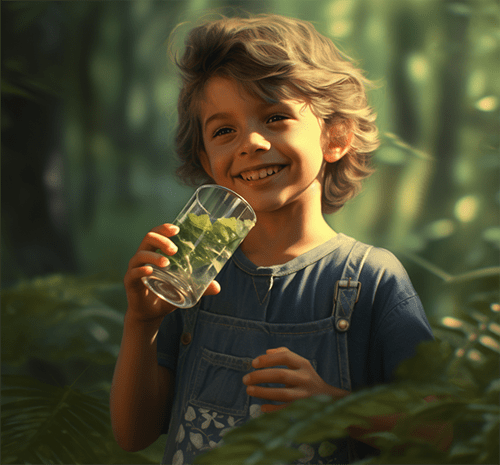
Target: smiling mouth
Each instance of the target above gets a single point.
(255, 175)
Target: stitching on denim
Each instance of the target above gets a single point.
(228, 361)
(278, 271)
(242, 328)
(340, 356)
(271, 281)
(201, 367)
(256, 291)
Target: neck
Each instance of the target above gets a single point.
(280, 236)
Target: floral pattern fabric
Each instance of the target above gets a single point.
(203, 429)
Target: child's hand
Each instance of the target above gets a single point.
(300, 379)
(143, 304)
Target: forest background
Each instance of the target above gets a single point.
(88, 120)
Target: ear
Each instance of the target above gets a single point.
(205, 162)
(336, 148)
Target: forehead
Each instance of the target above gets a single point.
(224, 91)
(218, 89)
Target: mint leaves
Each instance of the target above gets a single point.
(214, 242)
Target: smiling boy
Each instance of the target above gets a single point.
(272, 110)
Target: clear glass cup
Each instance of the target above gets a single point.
(212, 225)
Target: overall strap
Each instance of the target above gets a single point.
(189, 316)
(346, 294)
(347, 291)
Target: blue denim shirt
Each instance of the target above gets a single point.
(210, 347)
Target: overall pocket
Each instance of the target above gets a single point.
(218, 383)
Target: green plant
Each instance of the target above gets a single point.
(49, 424)
(40, 317)
(58, 328)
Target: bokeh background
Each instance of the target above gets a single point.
(88, 164)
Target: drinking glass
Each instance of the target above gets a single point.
(212, 225)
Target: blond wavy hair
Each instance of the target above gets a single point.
(275, 58)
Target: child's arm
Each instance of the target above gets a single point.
(142, 390)
(302, 381)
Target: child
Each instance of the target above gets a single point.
(272, 110)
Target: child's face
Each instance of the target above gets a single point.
(271, 154)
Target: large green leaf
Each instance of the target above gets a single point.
(59, 317)
(48, 424)
(57, 425)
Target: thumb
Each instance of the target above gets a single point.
(213, 288)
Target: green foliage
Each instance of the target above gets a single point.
(41, 316)
(210, 240)
(71, 326)
(48, 424)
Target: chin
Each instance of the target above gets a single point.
(265, 205)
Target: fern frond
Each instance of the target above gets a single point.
(42, 423)
(49, 424)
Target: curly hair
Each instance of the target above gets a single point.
(275, 58)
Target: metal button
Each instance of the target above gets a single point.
(186, 338)
(342, 325)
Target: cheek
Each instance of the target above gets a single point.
(220, 164)
(310, 137)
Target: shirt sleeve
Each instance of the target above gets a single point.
(168, 340)
(400, 332)
(400, 323)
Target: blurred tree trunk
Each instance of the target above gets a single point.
(34, 202)
(444, 191)
(408, 37)
(452, 80)
(408, 185)
(83, 45)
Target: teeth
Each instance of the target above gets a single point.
(254, 175)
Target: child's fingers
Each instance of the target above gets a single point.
(146, 257)
(158, 238)
(280, 356)
(154, 241)
(213, 288)
(133, 277)
(270, 375)
(276, 394)
(279, 349)
(266, 408)
(139, 266)
(167, 229)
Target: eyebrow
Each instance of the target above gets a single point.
(214, 117)
(262, 106)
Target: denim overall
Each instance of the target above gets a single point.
(211, 398)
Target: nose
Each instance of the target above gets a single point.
(252, 142)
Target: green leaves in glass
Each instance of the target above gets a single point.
(210, 239)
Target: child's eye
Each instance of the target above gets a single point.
(222, 131)
(276, 118)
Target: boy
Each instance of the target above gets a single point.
(272, 110)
